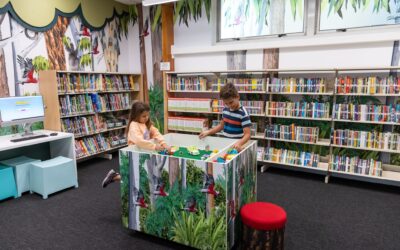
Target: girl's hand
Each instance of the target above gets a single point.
(159, 147)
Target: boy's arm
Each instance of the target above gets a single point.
(212, 131)
(246, 137)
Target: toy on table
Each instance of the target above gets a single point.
(230, 154)
(193, 150)
(173, 149)
(163, 152)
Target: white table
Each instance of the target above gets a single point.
(41, 148)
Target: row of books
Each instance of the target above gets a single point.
(76, 104)
(78, 83)
(368, 85)
(187, 123)
(188, 83)
(292, 132)
(241, 84)
(364, 139)
(298, 109)
(91, 145)
(285, 156)
(296, 85)
(98, 143)
(367, 112)
(83, 125)
(200, 83)
(356, 165)
(252, 107)
(93, 102)
(189, 104)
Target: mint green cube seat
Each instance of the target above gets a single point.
(53, 175)
(21, 167)
(7, 183)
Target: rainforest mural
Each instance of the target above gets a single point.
(187, 201)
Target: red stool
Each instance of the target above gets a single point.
(263, 226)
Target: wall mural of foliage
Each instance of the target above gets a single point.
(176, 205)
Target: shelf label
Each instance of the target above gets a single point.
(164, 66)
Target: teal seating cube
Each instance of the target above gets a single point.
(53, 175)
(7, 183)
(21, 167)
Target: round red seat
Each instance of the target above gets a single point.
(263, 216)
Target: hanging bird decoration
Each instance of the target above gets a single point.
(160, 185)
(95, 46)
(28, 70)
(139, 201)
(191, 205)
(209, 185)
(145, 31)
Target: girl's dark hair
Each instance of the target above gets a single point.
(137, 109)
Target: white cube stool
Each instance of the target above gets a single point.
(53, 175)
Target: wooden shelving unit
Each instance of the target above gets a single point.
(390, 173)
(83, 83)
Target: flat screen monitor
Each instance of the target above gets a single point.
(20, 110)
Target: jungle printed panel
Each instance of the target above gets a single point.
(177, 199)
(241, 183)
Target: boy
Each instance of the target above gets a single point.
(235, 119)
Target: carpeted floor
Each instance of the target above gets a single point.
(340, 215)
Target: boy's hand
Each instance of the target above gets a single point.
(203, 134)
(237, 146)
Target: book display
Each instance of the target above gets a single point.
(301, 118)
(93, 106)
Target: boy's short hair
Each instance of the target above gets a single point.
(228, 91)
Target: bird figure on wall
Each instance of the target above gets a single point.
(190, 205)
(145, 31)
(28, 70)
(73, 59)
(84, 31)
(209, 185)
(160, 185)
(139, 201)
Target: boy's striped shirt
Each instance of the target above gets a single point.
(235, 121)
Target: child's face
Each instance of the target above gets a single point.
(232, 103)
(144, 117)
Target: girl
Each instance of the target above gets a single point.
(140, 131)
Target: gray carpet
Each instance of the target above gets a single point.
(340, 215)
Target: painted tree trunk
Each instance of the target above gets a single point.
(173, 170)
(236, 60)
(143, 55)
(54, 44)
(157, 53)
(110, 44)
(155, 166)
(132, 206)
(183, 173)
(4, 90)
(270, 58)
(277, 17)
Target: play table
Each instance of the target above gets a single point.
(185, 198)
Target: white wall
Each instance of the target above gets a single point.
(202, 35)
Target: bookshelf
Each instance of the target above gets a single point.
(94, 106)
(308, 98)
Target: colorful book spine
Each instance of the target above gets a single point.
(187, 124)
(292, 132)
(189, 104)
(356, 165)
(252, 107)
(298, 109)
(368, 85)
(285, 156)
(367, 112)
(297, 85)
